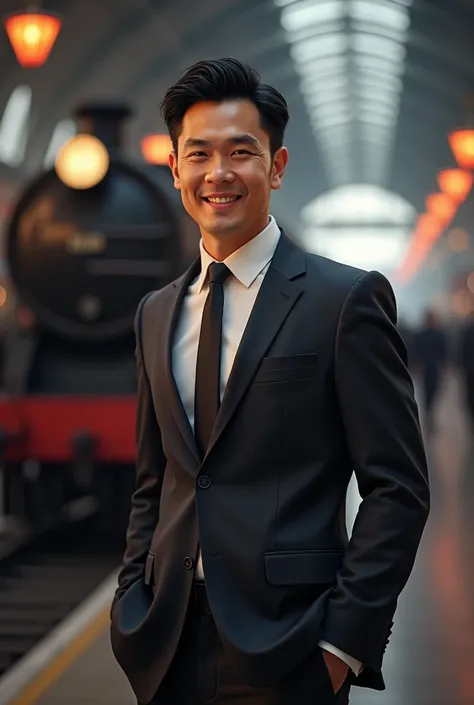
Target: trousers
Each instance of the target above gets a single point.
(202, 671)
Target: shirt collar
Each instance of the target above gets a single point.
(248, 261)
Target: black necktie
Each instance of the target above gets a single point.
(207, 391)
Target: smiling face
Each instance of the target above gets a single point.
(225, 172)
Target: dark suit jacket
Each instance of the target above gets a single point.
(319, 388)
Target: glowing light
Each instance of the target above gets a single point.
(458, 240)
(441, 205)
(461, 302)
(156, 149)
(32, 36)
(82, 162)
(470, 282)
(462, 145)
(455, 183)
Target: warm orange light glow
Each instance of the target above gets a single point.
(32, 36)
(456, 183)
(82, 162)
(458, 240)
(470, 282)
(156, 149)
(427, 230)
(461, 302)
(429, 227)
(442, 206)
(462, 145)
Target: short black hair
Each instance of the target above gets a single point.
(219, 80)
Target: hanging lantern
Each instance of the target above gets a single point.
(442, 206)
(462, 145)
(32, 35)
(456, 183)
(156, 149)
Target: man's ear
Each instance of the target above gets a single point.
(280, 160)
(173, 165)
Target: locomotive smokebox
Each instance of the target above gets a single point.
(83, 259)
(105, 121)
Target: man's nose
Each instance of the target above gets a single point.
(220, 173)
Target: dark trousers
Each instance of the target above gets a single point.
(203, 673)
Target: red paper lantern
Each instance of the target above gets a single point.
(462, 145)
(156, 149)
(32, 36)
(456, 183)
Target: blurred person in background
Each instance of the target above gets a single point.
(466, 364)
(266, 376)
(430, 357)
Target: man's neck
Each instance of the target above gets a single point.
(221, 248)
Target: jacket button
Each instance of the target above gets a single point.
(204, 482)
(188, 563)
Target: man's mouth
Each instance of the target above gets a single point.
(221, 200)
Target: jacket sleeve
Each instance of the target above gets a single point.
(384, 441)
(150, 466)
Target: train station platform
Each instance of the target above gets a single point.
(429, 657)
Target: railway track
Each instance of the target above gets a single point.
(44, 578)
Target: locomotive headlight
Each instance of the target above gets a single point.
(82, 162)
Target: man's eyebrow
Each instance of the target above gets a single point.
(243, 139)
(194, 142)
(237, 139)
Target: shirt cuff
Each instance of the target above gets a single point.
(353, 663)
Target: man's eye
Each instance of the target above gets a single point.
(197, 154)
(242, 151)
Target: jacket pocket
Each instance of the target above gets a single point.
(285, 374)
(303, 567)
(287, 368)
(286, 361)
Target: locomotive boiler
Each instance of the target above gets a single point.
(81, 259)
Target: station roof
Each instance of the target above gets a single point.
(373, 86)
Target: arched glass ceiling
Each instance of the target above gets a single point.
(359, 224)
(361, 204)
(350, 56)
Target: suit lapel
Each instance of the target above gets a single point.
(276, 298)
(170, 319)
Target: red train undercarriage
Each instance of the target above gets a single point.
(47, 428)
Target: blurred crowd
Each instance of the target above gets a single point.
(433, 348)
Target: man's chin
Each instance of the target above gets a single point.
(222, 228)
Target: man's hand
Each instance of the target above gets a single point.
(337, 670)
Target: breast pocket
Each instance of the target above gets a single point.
(302, 567)
(286, 368)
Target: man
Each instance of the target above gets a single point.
(259, 394)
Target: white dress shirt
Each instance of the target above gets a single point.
(248, 265)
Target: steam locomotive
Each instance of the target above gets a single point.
(81, 260)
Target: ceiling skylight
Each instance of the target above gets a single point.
(14, 126)
(362, 225)
(350, 55)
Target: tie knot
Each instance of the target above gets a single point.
(218, 272)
